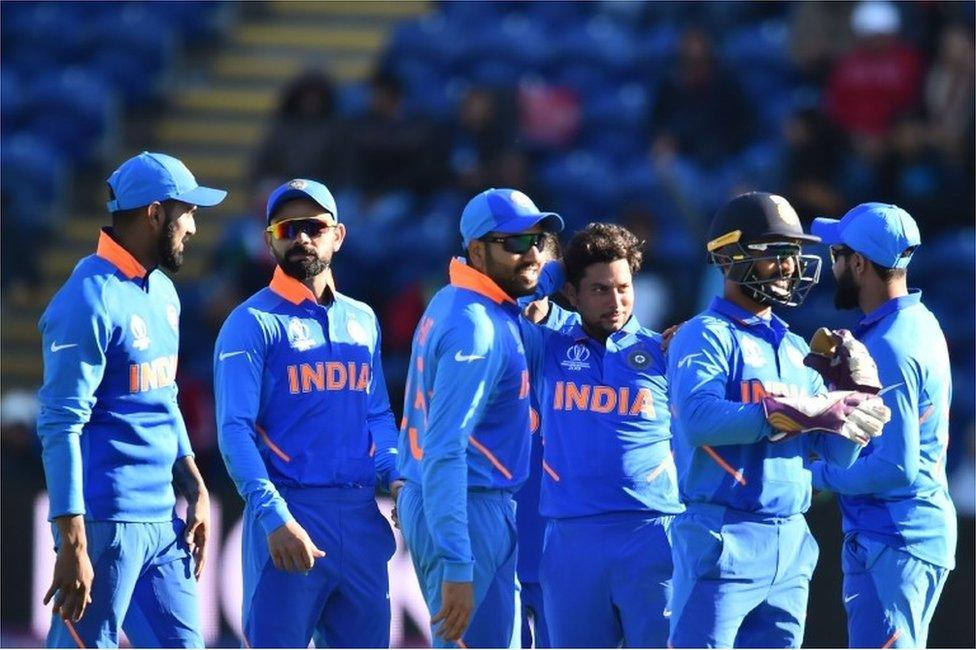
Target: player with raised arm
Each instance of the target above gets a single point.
(305, 428)
(899, 522)
(114, 441)
(464, 440)
(610, 490)
(747, 414)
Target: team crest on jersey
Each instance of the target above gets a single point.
(357, 332)
(173, 317)
(638, 359)
(752, 354)
(795, 356)
(577, 357)
(299, 335)
(140, 333)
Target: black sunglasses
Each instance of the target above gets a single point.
(290, 229)
(518, 244)
(839, 251)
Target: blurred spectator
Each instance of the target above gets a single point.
(949, 92)
(878, 81)
(482, 132)
(394, 151)
(815, 152)
(306, 139)
(819, 33)
(701, 111)
(549, 116)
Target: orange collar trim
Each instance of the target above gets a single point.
(292, 290)
(111, 251)
(467, 277)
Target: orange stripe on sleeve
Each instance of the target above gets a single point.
(891, 640)
(736, 474)
(74, 633)
(272, 446)
(550, 471)
(491, 457)
(660, 468)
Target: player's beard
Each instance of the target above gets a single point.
(302, 268)
(510, 281)
(169, 250)
(846, 294)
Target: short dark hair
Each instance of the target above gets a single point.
(601, 243)
(120, 217)
(552, 246)
(886, 274)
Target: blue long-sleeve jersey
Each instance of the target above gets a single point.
(301, 396)
(109, 423)
(896, 491)
(466, 408)
(721, 363)
(530, 523)
(604, 414)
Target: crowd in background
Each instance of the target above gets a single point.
(869, 101)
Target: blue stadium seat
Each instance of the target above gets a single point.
(33, 178)
(73, 109)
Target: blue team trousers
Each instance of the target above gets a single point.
(890, 595)
(606, 580)
(344, 600)
(740, 580)
(491, 528)
(143, 584)
(535, 633)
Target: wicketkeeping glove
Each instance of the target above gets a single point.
(855, 416)
(843, 362)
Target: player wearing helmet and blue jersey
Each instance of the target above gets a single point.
(747, 413)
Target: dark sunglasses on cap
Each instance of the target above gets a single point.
(290, 229)
(518, 244)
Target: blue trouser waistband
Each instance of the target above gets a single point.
(733, 515)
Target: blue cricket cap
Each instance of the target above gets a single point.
(504, 210)
(884, 233)
(150, 177)
(303, 188)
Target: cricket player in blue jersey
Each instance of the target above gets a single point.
(464, 440)
(899, 523)
(113, 438)
(610, 491)
(530, 524)
(747, 413)
(305, 428)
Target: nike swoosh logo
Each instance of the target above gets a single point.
(687, 360)
(55, 347)
(228, 355)
(467, 357)
(887, 388)
(850, 598)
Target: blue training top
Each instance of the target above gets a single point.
(301, 397)
(466, 408)
(604, 414)
(721, 363)
(896, 492)
(109, 423)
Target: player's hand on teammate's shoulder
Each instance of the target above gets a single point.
(668, 334)
(197, 531)
(457, 607)
(73, 573)
(291, 548)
